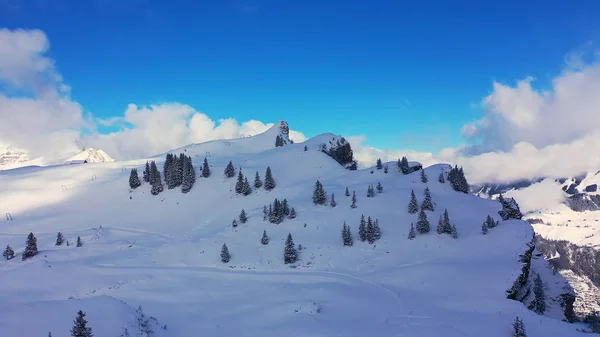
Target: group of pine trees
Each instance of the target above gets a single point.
(31, 248)
(510, 209)
(488, 224)
(290, 252)
(423, 226)
(152, 176)
(457, 180)
(371, 190)
(242, 185)
(403, 165)
(380, 166)
(445, 227)
(368, 230)
(278, 211)
(279, 142)
(179, 171)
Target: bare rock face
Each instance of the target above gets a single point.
(283, 136)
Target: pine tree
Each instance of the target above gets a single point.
(8, 253)
(319, 197)
(257, 182)
(229, 171)
(155, 179)
(290, 254)
(539, 302)
(403, 165)
(427, 202)
(362, 229)
(440, 227)
(292, 213)
(353, 205)
(234, 223)
(370, 231)
(265, 213)
(146, 173)
(453, 232)
(369, 191)
(422, 223)
(413, 206)
(59, 239)
(189, 175)
(412, 234)
(441, 178)
(239, 186)
(243, 216)
(30, 247)
(379, 187)
(269, 181)
(168, 171)
(347, 193)
(49, 334)
(519, 328)
(379, 164)
(265, 239)
(333, 203)
(305, 148)
(376, 230)
(80, 328)
(225, 256)
(285, 208)
(423, 176)
(385, 169)
(489, 221)
(484, 229)
(347, 235)
(79, 243)
(205, 169)
(246, 189)
(134, 180)
(447, 224)
(278, 141)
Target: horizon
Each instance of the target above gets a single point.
(394, 80)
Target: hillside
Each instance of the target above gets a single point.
(11, 158)
(161, 252)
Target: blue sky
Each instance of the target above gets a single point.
(405, 74)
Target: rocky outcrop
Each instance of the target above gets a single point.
(283, 137)
(340, 150)
(591, 188)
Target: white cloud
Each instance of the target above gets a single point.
(367, 155)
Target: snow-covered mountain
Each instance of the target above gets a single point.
(11, 158)
(162, 252)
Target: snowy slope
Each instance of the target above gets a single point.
(162, 252)
(92, 156)
(11, 158)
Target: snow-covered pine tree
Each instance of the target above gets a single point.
(411, 233)
(243, 216)
(403, 165)
(458, 180)
(168, 170)
(30, 247)
(441, 179)
(422, 223)
(454, 232)
(489, 221)
(239, 185)
(484, 228)
(347, 193)
(285, 208)
(292, 213)
(229, 171)
(205, 168)
(462, 180)
(225, 256)
(265, 238)
(278, 141)
(376, 230)
(269, 181)
(246, 189)
(427, 202)
(332, 203)
(189, 175)
(155, 179)
(79, 242)
(234, 223)
(362, 229)
(379, 164)
(370, 231)
(413, 205)
(319, 197)
(134, 179)
(447, 224)
(353, 205)
(59, 239)
(146, 172)
(347, 235)
(379, 187)
(265, 213)
(180, 166)
(305, 148)
(290, 254)
(369, 194)
(257, 182)
(385, 169)
(510, 209)
(440, 227)
(80, 328)
(423, 176)
(539, 302)
(519, 328)
(8, 253)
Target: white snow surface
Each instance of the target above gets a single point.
(162, 253)
(12, 158)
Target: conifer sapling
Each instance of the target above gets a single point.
(411, 233)
(265, 239)
(333, 203)
(59, 239)
(347, 192)
(243, 216)
(423, 176)
(379, 187)
(257, 182)
(8, 253)
(79, 243)
(292, 213)
(385, 169)
(225, 256)
(353, 205)
(484, 229)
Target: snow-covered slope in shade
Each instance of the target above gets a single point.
(162, 252)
